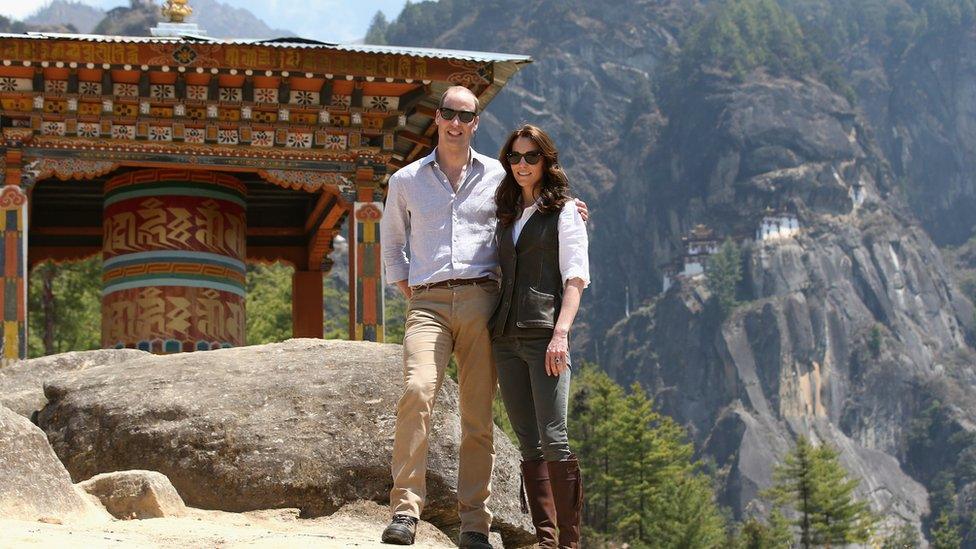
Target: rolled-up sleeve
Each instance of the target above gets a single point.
(394, 228)
(573, 245)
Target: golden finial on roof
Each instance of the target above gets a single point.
(176, 10)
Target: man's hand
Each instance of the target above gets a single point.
(404, 288)
(581, 208)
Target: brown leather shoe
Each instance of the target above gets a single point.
(535, 479)
(567, 492)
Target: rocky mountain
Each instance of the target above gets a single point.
(224, 20)
(218, 19)
(854, 120)
(912, 65)
(82, 17)
(134, 20)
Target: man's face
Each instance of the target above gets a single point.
(454, 132)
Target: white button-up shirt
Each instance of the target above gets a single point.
(573, 244)
(450, 234)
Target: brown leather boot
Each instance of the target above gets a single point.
(567, 491)
(535, 479)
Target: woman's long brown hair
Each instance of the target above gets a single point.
(554, 191)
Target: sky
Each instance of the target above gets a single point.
(335, 20)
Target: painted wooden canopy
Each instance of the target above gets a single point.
(182, 159)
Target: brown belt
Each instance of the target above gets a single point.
(452, 283)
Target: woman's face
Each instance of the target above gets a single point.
(527, 175)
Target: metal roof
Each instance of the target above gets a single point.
(286, 42)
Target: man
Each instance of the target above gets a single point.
(443, 207)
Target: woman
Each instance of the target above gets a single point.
(542, 249)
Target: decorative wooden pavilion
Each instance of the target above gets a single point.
(179, 159)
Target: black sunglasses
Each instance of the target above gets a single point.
(464, 116)
(532, 157)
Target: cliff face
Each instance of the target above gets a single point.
(135, 20)
(912, 66)
(846, 331)
(65, 12)
(932, 141)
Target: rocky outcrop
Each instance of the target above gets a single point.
(305, 423)
(22, 384)
(82, 17)
(33, 483)
(842, 327)
(133, 20)
(135, 494)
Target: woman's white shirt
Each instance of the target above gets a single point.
(573, 244)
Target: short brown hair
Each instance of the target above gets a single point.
(460, 89)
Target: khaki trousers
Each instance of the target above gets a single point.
(442, 321)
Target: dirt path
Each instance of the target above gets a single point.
(355, 526)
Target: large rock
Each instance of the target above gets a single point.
(22, 384)
(33, 483)
(135, 494)
(305, 423)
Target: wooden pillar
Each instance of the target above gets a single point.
(13, 260)
(307, 318)
(365, 264)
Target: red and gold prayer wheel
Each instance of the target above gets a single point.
(173, 261)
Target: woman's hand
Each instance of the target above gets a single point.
(557, 354)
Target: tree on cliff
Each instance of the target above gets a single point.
(945, 535)
(664, 499)
(756, 534)
(596, 402)
(812, 482)
(724, 272)
(643, 486)
(740, 35)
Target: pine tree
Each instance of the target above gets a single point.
(756, 534)
(905, 537)
(839, 517)
(689, 515)
(662, 500)
(597, 402)
(724, 272)
(638, 456)
(794, 485)
(813, 482)
(376, 34)
(946, 533)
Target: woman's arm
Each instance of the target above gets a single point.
(557, 354)
(574, 268)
